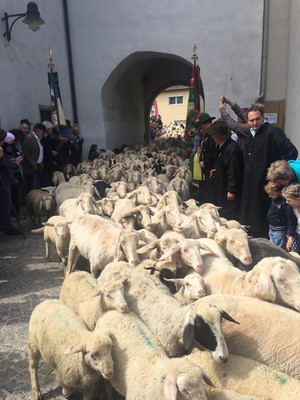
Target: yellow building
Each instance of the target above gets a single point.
(172, 104)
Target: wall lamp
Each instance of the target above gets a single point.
(32, 19)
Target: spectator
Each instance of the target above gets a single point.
(267, 144)
(291, 194)
(228, 172)
(52, 160)
(206, 149)
(13, 154)
(277, 215)
(33, 157)
(25, 127)
(284, 172)
(239, 127)
(6, 178)
(93, 153)
(152, 127)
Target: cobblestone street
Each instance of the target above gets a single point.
(26, 279)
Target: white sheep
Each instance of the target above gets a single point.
(181, 187)
(142, 368)
(101, 241)
(57, 231)
(191, 288)
(267, 333)
(40, 203)
(247, 376)
(235, 243)
(76, 293)
(83, 204)
(274, 279)
(176, 326)
(78, 356)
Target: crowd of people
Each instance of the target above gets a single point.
(248, 168)
(28, 157)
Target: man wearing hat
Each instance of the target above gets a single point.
(228, 172)
(33, 157)
(204, 157)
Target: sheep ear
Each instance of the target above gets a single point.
(220, 237)
(206, 379)
(264, 288)
(95, 293)
(47, 224)
(118, 251)
(148, 247)
(188, 333)
(75, 349)
(175, 249)
(228, 317)
(177, 281)
(169, 391)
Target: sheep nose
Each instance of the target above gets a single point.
(108, 374)
(124, 309)
(199, 268)
(247, 260)
(201, 293)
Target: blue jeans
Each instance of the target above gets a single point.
(278, 238)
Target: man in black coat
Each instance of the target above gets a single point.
(228, 170)
(267, 144)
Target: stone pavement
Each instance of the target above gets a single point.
(26, 279)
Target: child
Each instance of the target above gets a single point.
(277, 215)
(291, 194)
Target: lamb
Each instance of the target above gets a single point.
(261, 248)
(247, 376)
(56, 230)
(170, 197)
(274, 279)
(75, 292)
(79, 356)
(167, 218)
(81, 205)
(267, 333)
(175, 326)
(39, 204)
(181, 187)
(57, 178)
(100, 242)
(140, 215)
(235, 243)
(191, 288)
(142, 368)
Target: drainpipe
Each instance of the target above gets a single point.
(263, 72)
(70, 62)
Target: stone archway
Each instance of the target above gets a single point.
(129, 91)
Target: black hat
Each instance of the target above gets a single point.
(219, 128)
(205, 117)
(25, 121)
(40, 126)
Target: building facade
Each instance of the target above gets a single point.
(114, 58)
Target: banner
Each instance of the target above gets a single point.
(57, 113)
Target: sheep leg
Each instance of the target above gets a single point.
(66, 391)
(34, 357)
(72, 258)
(47, 250)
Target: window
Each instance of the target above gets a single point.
(175, 100)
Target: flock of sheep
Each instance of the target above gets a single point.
(178, 303)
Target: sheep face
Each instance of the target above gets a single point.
(205, 328)
(62, 229)
(127, 245)
(236, 244)
(279, 280)
(114, 298)
(98, 356)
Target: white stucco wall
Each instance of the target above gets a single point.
(293, 81)
(228, 35)
(23, 65)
